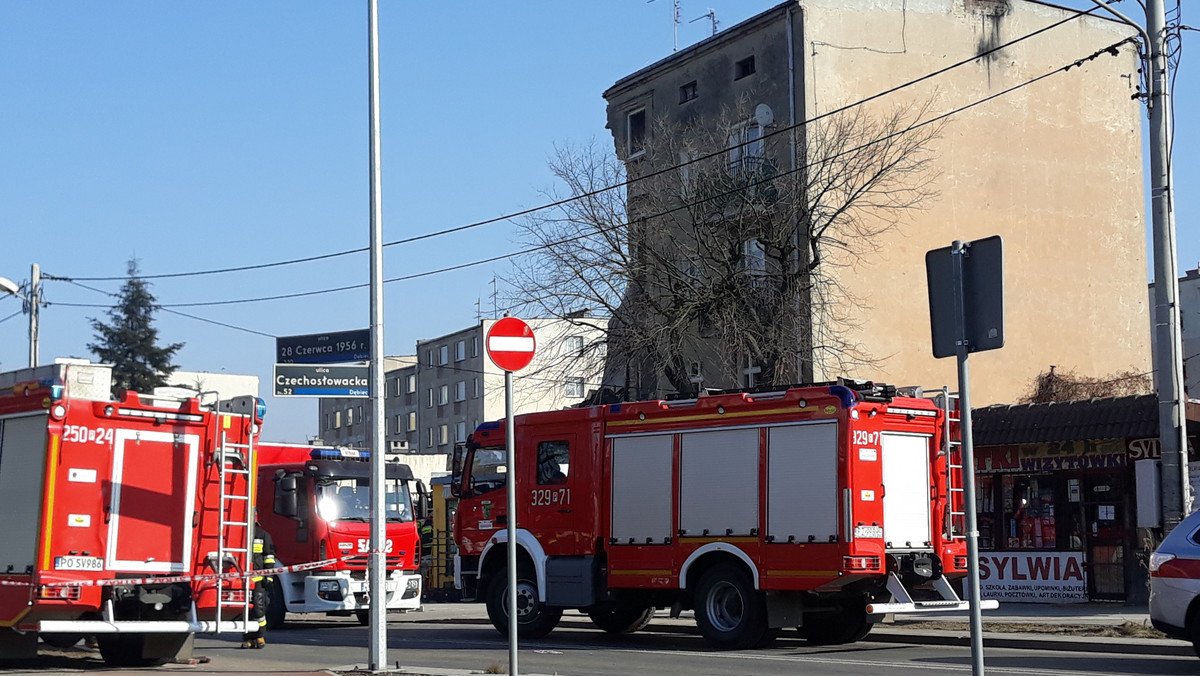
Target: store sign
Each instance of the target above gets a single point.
(1046, 457)
(1032, 577)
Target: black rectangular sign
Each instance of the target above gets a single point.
(315, 380)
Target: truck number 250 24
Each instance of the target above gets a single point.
(545, 497)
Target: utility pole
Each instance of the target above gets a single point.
(33, 301)
(1168, 354)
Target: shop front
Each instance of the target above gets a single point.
(1056, 499)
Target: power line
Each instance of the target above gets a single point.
(748, 186)
(625, 184)
(11, 316)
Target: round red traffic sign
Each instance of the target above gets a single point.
(510, 344)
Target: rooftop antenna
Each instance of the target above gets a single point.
(712, 16)
(495, 296)
(478, 309)
(675, 24)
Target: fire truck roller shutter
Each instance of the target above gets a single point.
(641, 480)
(22, 462)
(718, 481)
(802, 482)
(906, 503)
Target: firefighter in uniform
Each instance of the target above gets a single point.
(262, 556)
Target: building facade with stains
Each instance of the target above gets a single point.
(1041, 144)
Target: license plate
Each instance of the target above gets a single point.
(391, 585)
(78, 563)
(357, 587)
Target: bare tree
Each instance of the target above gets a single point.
(1065, 385)
(726, 246)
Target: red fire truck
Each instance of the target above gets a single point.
(315, 503)
(805, 508)
(112, 511)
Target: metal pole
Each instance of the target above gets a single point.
(35, 299)
(510, 471)
(1168, 359)
(957, 253)
(377, 643)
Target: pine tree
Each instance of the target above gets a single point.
(129, 340)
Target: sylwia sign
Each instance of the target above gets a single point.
(1032, 577)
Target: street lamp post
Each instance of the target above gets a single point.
(32, 302)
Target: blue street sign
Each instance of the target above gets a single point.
(324, 348)
(312, 380)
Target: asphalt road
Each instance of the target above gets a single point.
(577, 649)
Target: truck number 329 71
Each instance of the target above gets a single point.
(545, 497)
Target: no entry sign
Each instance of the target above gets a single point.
(510, 344)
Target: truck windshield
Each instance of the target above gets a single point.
(349, 499)
(487, 469)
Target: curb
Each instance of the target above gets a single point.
(1095, 644)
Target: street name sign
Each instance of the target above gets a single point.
(324, 348)
(510, 344)
(314, 380)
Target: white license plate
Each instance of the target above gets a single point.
(78, 563)
(357, 587)
(391, 585)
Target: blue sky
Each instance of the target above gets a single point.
(202, 135)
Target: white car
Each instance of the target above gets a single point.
(1175, 583)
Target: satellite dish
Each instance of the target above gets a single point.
(763, 115)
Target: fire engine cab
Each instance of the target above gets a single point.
(315, 503)
(817, 507)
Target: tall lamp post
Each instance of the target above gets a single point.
(32, 302)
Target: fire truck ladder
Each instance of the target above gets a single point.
(956, 519)
(235, 460)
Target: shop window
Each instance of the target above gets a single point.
(1029, 503)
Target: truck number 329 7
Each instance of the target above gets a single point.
(545, 497)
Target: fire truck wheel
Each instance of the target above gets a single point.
(126, 650)
(847, 625)
(62, 641)
(276, 612)
(534, 618)
(730, 612)
(621, 618)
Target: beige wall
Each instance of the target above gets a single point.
(1055, 168)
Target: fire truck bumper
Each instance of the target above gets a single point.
(903, 603)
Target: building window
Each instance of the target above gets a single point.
(429, 357)
(443, 355)
(460, 350)
(443, 395)
(349, 417)
(574, 388)
(399, 384)
(429, 441)
(460, 391)
(750, 373)
(746, 149)
(476, 386)
(754, 261)
(360, 415)
(553, 462)
(460, 432)
(443, 435)
(743, 68)
(396, 428)
(328, 421)
(429, 403)
(574, 345)
(687, 92)
(635, 132)
(696, 372)
(337, 419)
(412, 421)
(475, 346)
(412, 383)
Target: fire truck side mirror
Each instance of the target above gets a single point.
(286, 501)
(456, 487)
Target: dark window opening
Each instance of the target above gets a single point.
(637, 132)
(743, 68)
(687, 92)
(553, 462)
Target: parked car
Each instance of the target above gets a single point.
(1175, 583)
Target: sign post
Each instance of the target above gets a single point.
(966, 314)
(510, 345)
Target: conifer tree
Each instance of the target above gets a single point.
(129, 340)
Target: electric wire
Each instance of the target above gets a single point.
(751, 185)
(11, 316)
(625, 184)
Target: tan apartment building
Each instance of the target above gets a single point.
(1054, 166)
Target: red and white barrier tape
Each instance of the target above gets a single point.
(263, 572)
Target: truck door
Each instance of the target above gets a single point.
(549, 509)
(152, 494)
(906, 491)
